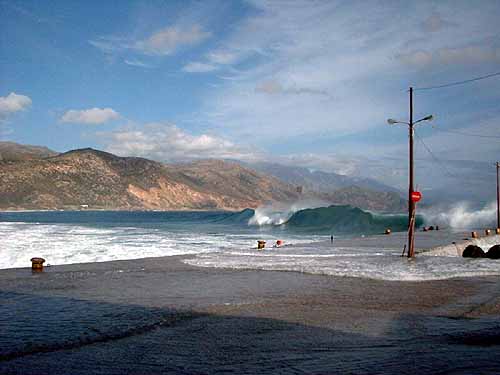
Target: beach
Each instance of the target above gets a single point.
(161, 315)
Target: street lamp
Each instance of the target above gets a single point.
(411, 205)
(394, 122)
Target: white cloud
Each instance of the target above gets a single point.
(435, 23)
(13, 103)
(169, 39)
(473, 54)
(273, 87)
(92, 116)
(163, 42)
(111, 44)
(214, 60)
(198, 67)
(222, 57)
(137, 63)
(167, 142)
(313, 68)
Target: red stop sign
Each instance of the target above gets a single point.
(416, 196)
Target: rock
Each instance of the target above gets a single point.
(473, 251)
(493, 252)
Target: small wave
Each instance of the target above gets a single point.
(382, 266)
(311, 256)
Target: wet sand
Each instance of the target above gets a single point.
(160, 315)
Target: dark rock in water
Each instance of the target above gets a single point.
(493, 252)
(473, 251)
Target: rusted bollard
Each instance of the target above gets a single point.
(387, 231)
(261, 245)
(487, 232)
(474, 235)
(497, 231)
(37, 264)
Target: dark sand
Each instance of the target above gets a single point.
(159, 315)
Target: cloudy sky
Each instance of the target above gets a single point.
(310, 83)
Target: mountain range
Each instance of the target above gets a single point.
(33, 177)
(319, 181)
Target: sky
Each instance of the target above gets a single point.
(307, 83)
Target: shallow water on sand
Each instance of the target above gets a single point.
(353, 261)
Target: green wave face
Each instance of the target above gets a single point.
(347, 219)
(235, 218)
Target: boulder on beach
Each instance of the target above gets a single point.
(473, 251)
(493, 252)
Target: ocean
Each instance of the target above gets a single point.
(226, 240)
(197, 297)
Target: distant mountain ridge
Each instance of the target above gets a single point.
(365, 193)
(320, 181)
(367, 199)
(101, 180)
(10, 151)
(33, 177)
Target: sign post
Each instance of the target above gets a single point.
(415, 196)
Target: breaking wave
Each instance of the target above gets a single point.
(278, 214)
(332, 219)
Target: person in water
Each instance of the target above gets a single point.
(331, 238)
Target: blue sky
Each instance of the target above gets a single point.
(307, 83)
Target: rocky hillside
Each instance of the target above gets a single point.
(105, 181)
(33, 177)
(10, 151)
(318, 181)
(367, 199)
(365, 193)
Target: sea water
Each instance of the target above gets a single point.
(215, 239)
(65, 237)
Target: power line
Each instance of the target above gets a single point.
(447, 172)
(457, 83)
(469, 134)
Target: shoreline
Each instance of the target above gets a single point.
(438, 243)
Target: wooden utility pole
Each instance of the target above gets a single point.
(413, 196)
(411, 204)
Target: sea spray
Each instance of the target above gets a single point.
(461, 215)
(279, 213)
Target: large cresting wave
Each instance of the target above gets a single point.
(334, 219)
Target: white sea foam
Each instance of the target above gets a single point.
(70, 243)
(461, 215)
(381, 265)
(279, 213)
